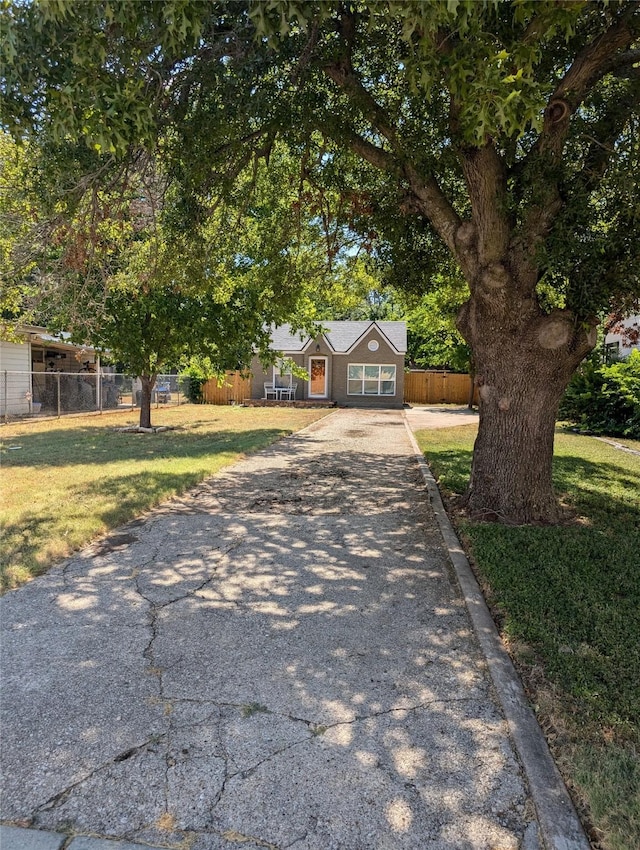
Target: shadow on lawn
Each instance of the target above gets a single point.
(590, 486)
(35, 540)
(587, 485)
(29, 547)
(62, 447)
(572, 592)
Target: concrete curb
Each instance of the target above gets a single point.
(18, 838)
(560, 827)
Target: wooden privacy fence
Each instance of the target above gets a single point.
(420, 387)
(425, 387)
(234, 389)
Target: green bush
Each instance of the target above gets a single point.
(192, 388)
(195, 372)
(605, 399)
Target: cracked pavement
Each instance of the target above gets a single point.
(279, 659)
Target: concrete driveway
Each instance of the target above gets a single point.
(281, 659)
(421, 416)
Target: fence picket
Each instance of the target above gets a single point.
(431, 387)
(234, 389)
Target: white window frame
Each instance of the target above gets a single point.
(282, 368)
(379, 367)
(611, 352)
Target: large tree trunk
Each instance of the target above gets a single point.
(524, 361)
(472, 387)
(511, 470)
(147, 382)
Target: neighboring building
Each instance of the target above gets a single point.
(354, 364)
(624, 339)
(26, 368)
(16, 390)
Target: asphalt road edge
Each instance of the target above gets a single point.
(558, 822)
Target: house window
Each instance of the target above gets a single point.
(282, 374)
(364, 379)
(611, 352)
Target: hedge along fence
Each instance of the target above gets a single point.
(430, 387)
(234, 389)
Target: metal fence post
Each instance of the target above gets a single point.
(58, 391)
(98, 383)
(5, 396)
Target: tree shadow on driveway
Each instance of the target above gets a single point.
(281, 657)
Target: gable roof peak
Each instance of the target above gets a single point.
(342, 336)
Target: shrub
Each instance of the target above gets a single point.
(605, 399)
(192, 388)
(195, 373)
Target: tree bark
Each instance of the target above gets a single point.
(472, 388)
(523, 364)
(147, 382)
(512, 459)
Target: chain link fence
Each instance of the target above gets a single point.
(33, 394)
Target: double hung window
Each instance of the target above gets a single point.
(366, 379)
(282, 376)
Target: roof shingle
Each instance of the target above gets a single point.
(342, 336)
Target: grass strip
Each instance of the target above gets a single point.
(66, 481)
(566, 600)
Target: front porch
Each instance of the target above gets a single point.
(272, 402)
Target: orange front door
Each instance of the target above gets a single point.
(318, 376)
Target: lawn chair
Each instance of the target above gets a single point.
(287, 392)
(270, 391)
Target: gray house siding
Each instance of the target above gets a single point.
(359, 334)
(384, 356)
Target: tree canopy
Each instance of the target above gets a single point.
(497, 139)
(115, 271)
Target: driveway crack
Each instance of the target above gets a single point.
(62, 796)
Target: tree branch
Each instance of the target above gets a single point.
(597, 58)
(343, 74)
(378, 157)
(305, 57)
(623, 62)
(436, 207)
(603, 138)
(485, 176)
(429, 198)
(590, 65)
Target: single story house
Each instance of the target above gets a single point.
(353, 364)
(623, 339)
(26, 364)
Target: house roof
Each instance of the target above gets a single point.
(41, 336)
(341, 336)
(283, 339)
(61, 340)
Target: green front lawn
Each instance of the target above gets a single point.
(567, 602)
(66, 481)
